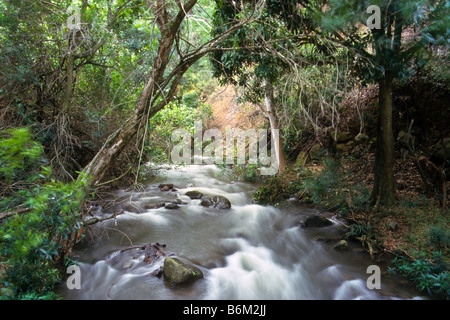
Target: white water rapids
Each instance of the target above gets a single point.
(248, 252)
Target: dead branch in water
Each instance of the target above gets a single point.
(95, 220)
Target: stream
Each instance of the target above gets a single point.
(248, 252)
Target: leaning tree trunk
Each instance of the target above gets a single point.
(384, 184)
(169, 26)
(156, 86)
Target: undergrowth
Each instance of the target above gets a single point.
(430, 274)
(43, 221)
(329, 186)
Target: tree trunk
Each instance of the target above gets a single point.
(270, 104)
(169, 27)
(384, 184)
(94, 172)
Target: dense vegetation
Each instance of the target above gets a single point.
(91, 90)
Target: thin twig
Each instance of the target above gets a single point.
(121, 233)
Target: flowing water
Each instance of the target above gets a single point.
(247, 252)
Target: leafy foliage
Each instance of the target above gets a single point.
(430, 275)
(21, 166)
(19, 155)
(329, 187)
(32, 242)
(178, 114)
(426, 17)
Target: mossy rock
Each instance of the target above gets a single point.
(177, 272)
(341, 245)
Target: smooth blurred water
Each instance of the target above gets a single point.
(248, 252)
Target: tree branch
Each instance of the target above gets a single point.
(95, 220)
(12, 213)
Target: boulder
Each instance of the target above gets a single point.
(217, 202)
(126, 257)
(194, 194)
(177, 271)
(315, 220)
(153, 251)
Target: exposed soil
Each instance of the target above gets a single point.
(229, 113)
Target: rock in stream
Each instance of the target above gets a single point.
(178, 272)
(315, 220)
(217, 202)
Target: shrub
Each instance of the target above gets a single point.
(332, 188)
(360, 230)
(275, 190)
(176, 115)
(324, 185)
(329, 187)
(20, 157)
(32, 242)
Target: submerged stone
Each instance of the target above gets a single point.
(133, 207)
